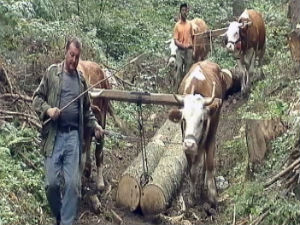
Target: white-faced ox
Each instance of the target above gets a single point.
(203, 87)
(246, 39)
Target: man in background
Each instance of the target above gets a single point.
(183, 39)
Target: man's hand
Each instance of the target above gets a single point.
(53, 113)
(98, 131)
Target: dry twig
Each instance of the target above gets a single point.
(118, 219)
(16, 96)
(282, 173)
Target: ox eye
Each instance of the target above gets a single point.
(236, 35)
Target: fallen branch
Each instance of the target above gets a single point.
(170, 219)
(282, 173)
(233, 222)
(28, 162)
(82, 214)
(22, 116)
(7, 78)
(19, 114)
(16, 96)
(260, 218)
(293, 179)
(118, 219)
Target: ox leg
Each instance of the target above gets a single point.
(99, 163)
(210, 177)
(101, 117)
(86, 162)
(251, 66)
(244, 74)
(195, 163)
(260, 61)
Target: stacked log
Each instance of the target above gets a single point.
(129, 188)
(167, 177)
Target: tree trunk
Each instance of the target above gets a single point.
(238, 7)
(129, 188)
(293, 12)
(167, 178)
(258, 134)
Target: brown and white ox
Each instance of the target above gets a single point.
(204, 87)
(200, 46)
(246, 39)
(93, 73)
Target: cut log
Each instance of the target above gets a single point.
(167, 177)
(129, 188)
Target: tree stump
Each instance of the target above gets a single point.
(294, 43)
(167, 178)
(129, 188)
(258, 135)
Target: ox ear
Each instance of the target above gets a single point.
(175, 115)
(244, 25)
(214, 106)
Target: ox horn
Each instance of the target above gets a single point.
(193, 89)
(208, 101)
(178, 98)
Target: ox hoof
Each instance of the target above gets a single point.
(95, 203)
(209, 209)
(100, 185)
(191, 201)
(87, 170)
(100, 180)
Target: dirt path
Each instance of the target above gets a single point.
(117, 160)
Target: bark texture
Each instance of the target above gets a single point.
(167, 177)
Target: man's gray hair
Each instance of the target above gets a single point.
(75, 41)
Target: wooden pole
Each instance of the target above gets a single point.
(142, 97)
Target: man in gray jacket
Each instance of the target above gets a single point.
(62, 137)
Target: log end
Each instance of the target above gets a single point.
(128, 193)
(152, 200)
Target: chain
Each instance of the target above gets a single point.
(144, 179)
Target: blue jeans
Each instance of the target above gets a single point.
(62, 177)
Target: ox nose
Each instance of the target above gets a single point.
(171, 62)
(189, 146)
(230, 47)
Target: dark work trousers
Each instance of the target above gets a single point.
(184, 61)
(62, 177)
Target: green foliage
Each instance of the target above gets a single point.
(237, 151)
(22, 196)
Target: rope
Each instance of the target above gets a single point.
(210, 42)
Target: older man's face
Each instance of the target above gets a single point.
(72, 58)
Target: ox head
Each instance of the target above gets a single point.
(233, 34)
(196, 117)
(173, 47)
(232, 37)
